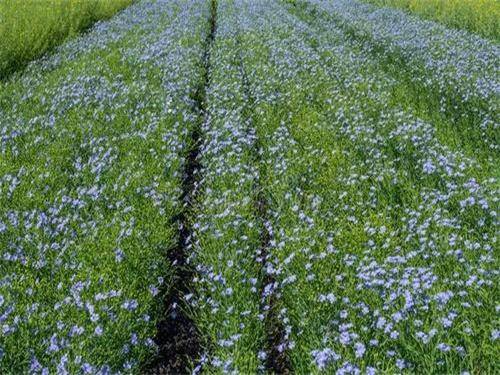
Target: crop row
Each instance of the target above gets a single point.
(227, 234)
(448, 73)
(92, 145)
(383, 236)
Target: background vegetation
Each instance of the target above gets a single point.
(477, 16)
(30, 28)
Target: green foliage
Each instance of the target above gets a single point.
(345, 194)
(28, 29)
(477, 16)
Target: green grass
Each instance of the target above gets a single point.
(28, 29)
(477, 16)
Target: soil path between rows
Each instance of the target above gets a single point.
(178, 340)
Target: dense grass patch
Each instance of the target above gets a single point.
(30, 28)
(477, 16)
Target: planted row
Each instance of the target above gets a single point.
(454, 73)
(226, 243)
(91, 155)
(384, 237)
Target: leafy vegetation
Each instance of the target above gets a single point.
(28, 29)
(329, 170)
(477, 16)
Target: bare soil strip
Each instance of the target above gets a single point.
(177, 337)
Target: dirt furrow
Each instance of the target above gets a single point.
(178, 339)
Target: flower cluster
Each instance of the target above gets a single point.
(458, 69)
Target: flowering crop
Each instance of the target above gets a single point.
(226, 243)
(384, 236)
(337, 220)
(455, 74)
(90, 160)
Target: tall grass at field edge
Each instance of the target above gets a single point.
(476, 16)
(28, 29)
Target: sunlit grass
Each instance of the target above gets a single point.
(30, 28)
(477, 16)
